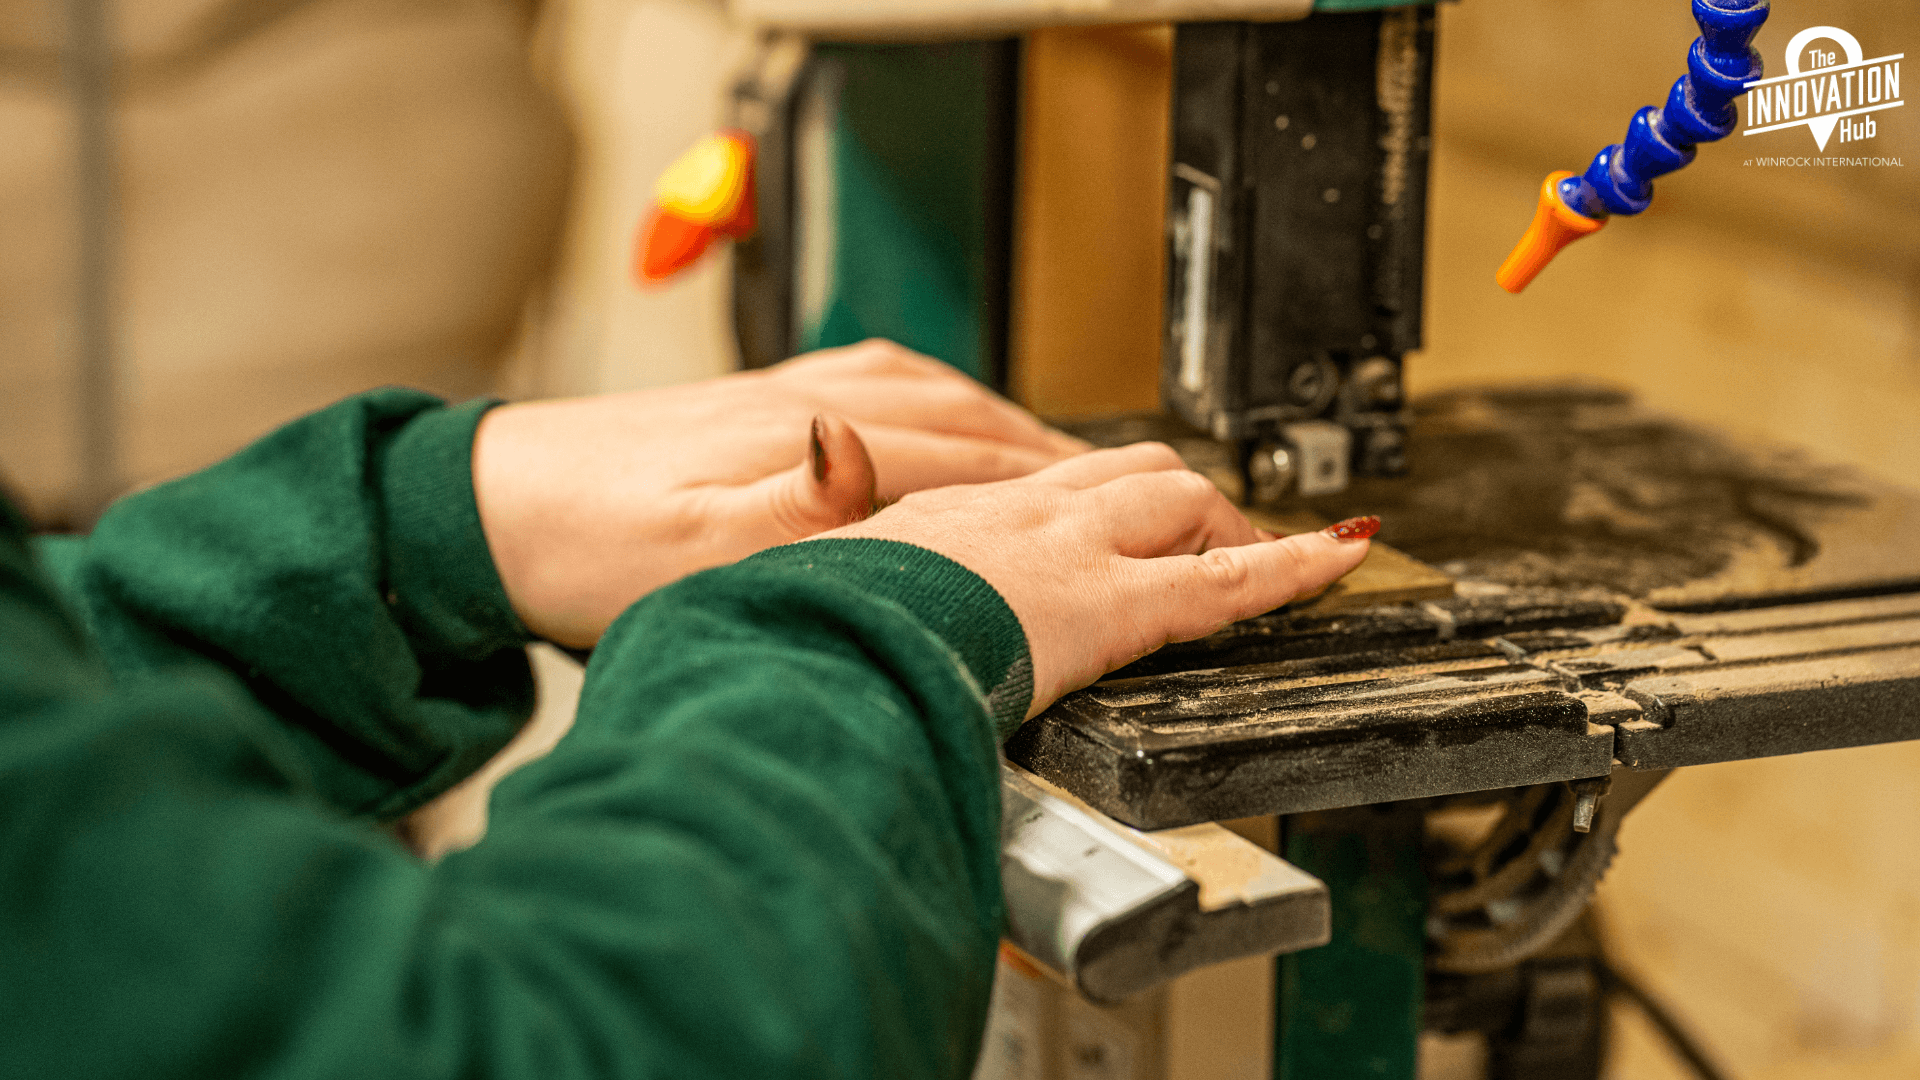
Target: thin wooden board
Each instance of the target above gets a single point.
(1387, 575)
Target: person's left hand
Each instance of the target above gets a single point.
(590, 503)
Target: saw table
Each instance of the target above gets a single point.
(1569, 597)
(1621, 587)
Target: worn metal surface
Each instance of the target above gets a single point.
(1353, 1008)
(1627, 587)
(1470, 694)
(1575, 489)
(1117, 911)
(1777, 681)
(1380, 636)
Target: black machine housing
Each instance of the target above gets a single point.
(1296, 229)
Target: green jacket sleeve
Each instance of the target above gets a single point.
(337, 567)
(767, 849)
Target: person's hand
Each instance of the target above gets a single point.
(1108, 556)
(590, 503)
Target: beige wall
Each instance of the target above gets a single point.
(348, 194)
(644, 80)
(352, 194)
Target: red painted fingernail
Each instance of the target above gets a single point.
(817, 454)
(1354, 528)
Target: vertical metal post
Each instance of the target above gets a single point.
(1352, 1008)
(87, 70)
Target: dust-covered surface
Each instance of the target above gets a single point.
(1574, 488)
(1307, 713)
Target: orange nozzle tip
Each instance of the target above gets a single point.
(1554, 226)
(707, 192)
(669, 244)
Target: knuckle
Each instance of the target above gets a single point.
(791, 514)
(1225, 570)
(1192, 485)
(973, 407)
(987, 462)
(1161, 455)
(885, 357)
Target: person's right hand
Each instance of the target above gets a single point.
(1107, 556)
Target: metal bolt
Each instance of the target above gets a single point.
(1586, 801)
(1305, 382)
(1271, 470)
(1332, 195)
(1375, 380)
(1307, 141)
(1282, 122)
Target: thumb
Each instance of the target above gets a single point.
(832, 486)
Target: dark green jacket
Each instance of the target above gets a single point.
(768, 848)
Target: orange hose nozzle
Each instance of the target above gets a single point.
(1554, 227)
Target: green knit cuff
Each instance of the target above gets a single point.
(441, 581)
(952, 601)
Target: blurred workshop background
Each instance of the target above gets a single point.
(312, 197)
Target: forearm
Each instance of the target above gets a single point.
(338, 568)
(767, 849)
(791, 765)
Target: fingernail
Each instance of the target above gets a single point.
(817, 453)
(1354, 528)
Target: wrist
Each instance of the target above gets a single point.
(956, 604)
(508, 523)
(441, 578)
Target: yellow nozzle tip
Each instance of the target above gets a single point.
(706, 184)
(1554, 227)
